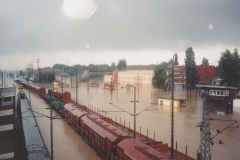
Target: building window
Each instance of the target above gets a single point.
(219, 92)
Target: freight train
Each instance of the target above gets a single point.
(108, 141)
(30, 145)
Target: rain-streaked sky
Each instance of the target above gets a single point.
(104, 31)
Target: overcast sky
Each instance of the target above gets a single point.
(104, 31)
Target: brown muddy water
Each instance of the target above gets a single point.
(69, 145)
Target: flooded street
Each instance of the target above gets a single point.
(69, 145)
(158, 118)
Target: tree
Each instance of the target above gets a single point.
(113, 64)
(121, 64)
(161, 80)
(229, 68)
(190, 67)
(205, 62)
(163, 65)
(21, 73)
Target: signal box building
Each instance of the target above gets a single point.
(219, 98)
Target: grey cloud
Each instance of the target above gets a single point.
(28, 26)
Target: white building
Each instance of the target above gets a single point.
(139, 75)
(108, 78)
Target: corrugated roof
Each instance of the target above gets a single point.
(138, 150)
(215, 87)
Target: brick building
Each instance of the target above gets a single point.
(206, 74)
(179, 75)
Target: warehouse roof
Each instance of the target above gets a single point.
(139, 67)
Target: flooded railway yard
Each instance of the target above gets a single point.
(157, 119)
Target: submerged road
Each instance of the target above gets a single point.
(158, 119)
(69, 145)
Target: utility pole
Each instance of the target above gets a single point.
(172, 121)
(205, 133)
(51, 125)
(37, 62)
(205, 129)
(134, 114)
(2, 79)
(29, 92)
(76, 88)
(62, 86)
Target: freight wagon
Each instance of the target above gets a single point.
(108, 141)
(105, 138)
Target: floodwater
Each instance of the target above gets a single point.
(69, 145)
(158, 118)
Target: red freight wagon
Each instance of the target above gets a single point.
(62, 95)
(101, 135)
(25, 85)
(132, 148)
(40, 90)
(31, 87)
(67, 108)
(75, 115)
(34, 89)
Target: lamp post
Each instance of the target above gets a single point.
(172, 121)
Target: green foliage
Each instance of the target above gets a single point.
(229, 68)
(113, 64)
(163, 65)
(190, 67)
(122, 63)
(21, 73)
(70, 70)
(161, 80)
(98, 66)
(205, 62)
